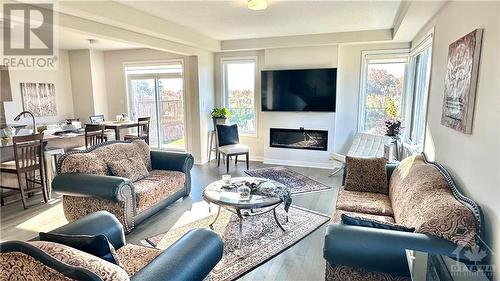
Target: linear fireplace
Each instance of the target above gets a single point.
(299, 139)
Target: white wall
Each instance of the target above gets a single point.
(348, 82)
(62, 82)
(299, 58)
(99, 83)
(81, 81)
(473, 160)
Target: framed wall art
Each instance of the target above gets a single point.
(39, 98)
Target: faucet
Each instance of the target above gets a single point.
(32, 117)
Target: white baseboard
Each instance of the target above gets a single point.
(298, 163)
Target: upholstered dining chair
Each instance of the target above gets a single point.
(142, 130)
(229, 144)
(28, 161)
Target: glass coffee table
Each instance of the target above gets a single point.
(229, 199)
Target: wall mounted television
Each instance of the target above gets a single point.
(299, 90)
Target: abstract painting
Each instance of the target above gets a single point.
(39, 98)
(460, 82)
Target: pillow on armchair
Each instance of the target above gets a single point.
(105, 270)
(366, 175)
(97, 245)
(132, 168)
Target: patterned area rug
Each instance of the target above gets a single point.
(262, 239)
(297, 182)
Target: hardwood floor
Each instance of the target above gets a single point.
(303, 261)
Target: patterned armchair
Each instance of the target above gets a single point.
(421, 198)
(123, 178)
(191, 257)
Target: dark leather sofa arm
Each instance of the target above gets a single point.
(172, 161)
(378, 249)
(73, 272)
(86, 185)
(190, 258)
(101, 222)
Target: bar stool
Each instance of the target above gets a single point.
(51, 157)
(142, 130)
(28, 159)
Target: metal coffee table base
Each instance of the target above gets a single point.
(242, 213)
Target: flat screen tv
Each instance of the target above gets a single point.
(299, 90)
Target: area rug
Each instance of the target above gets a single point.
(262, 239)
(297, 182)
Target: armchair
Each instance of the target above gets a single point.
(88, 184)
(191, 257)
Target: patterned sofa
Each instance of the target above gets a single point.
(191, 257)
(126, 179)
(420, 195)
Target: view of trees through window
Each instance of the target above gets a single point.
(166, 109)
(239, 94)
(383, 95)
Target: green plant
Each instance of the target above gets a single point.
(220, 112)
(391, 111)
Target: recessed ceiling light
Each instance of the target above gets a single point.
(257, 5)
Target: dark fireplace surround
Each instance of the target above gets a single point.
(299, 139)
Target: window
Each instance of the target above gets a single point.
(238, 89)
(382, 89)
(157, 91)
(416, 102)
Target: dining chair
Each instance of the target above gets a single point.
(94, 134)
(229, 144)
(28, 160)
(142, 130)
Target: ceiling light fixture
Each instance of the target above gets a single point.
(257, 5)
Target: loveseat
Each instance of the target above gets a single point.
(421, 209)
(190, 258)
(124, 178)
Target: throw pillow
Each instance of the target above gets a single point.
(132, 168)
(73, 257)
(358, 221)
(366, 175)
(97, 245)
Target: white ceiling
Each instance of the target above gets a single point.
(227, 20)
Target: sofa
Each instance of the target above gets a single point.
(191, 257)
(124, 178)
(421, 198)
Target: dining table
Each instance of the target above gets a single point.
(117, 126)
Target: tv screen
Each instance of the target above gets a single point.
(299, 90)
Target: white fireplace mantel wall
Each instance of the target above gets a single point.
(298, 58)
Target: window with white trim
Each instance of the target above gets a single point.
(382, 88)
(238, 92)
(418, 92)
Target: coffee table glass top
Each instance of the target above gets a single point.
(229, 197)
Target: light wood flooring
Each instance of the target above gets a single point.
(303, 261)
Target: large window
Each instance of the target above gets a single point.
(238, 89)
(156, 90)
(382, 89)
(418, 89)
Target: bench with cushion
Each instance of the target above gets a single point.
(126, 179)
(382, 210)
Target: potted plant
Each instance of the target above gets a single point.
(219, 115)
(392, 122)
